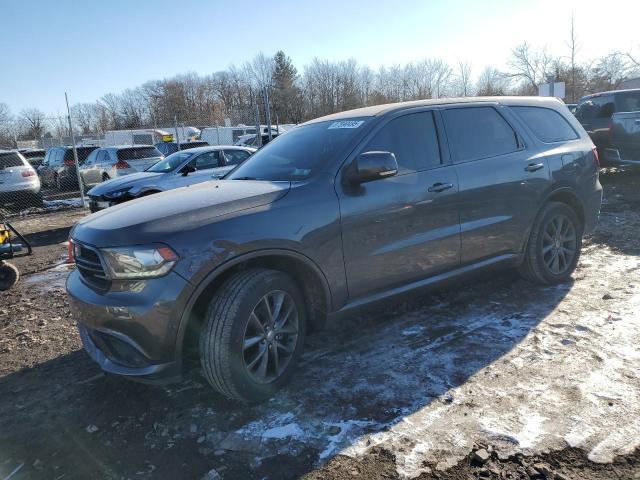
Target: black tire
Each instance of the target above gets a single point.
(9, 276)
(542, 263)
(37, 200)
(105, 177)
(223, 350)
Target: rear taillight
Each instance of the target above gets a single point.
(69, 162)
(121, 164)
(28, 173)
(596, 156)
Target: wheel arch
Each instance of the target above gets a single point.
(564, 195)
(306, 273)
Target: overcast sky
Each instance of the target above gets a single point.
(89, 48)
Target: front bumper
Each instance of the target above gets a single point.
(132, 329)
(97, 203)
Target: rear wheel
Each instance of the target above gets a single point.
(253, 334)
(554, 245)
(105, 177)
(9, 276)
(36, 200)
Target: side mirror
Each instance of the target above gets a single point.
(187, 169)
(371, 166)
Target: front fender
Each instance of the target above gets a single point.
(220, 269)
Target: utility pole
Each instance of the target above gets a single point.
(267, 110)
(258, 132)
(175, 127)
(75, 151)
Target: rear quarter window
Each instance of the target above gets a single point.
(138, 153)
(479, 132)
(546, 124)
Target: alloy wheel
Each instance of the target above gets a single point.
(271, 336)
(559, 243)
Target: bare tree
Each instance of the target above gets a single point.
(530, 67)
(33, 122)
(463, 83)
(491, 82)
(572, 44)
(6, 125)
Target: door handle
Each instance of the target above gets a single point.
(440, 187)
(534, 167)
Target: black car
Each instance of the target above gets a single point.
(167, 148)
(34, 156)
(59, 169)
(596, 114)
(342, 211)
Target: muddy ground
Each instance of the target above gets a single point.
(494, 378)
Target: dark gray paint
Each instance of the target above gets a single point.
(365, 242)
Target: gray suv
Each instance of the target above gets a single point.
(342, 211)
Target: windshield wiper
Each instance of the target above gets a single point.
(246, 178)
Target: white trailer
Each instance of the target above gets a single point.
(229, 135)
(148, 136)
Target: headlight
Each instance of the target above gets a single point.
(127, 263)
(117, 193)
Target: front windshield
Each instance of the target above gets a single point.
(170, 163)
(301, 153)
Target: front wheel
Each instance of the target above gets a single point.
(253, 334)
(554, 245)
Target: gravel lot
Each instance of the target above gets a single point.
(495, 378)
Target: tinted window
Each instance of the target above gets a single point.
(546, 124)
(205, 161)
(596, 107)
(479, 133)
(138, 153)
(412, 139)
(83, 153)
(10, 159)
(628, 101)
(34, 154)
(301, 152)
(235, 157)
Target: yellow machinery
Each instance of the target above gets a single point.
(12, 245)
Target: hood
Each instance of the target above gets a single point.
(158, 217)
(135, 179)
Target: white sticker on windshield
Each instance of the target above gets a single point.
(347, 124)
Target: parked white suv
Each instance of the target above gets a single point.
(19, 182)
(111, 162)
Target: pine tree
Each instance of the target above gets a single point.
(286, 98)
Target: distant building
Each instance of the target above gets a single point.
(630, 83)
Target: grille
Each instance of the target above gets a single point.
(90, 268)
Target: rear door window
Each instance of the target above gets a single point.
(234, 157)
(205, 161)
(11, 159)
(479, 132)
(546, 124)
(138, 153)
(412, 138)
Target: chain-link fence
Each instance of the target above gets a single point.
(28, 186)
(44, 177)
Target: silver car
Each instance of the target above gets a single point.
(19, 182)
(111, 162)
(180, 169)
